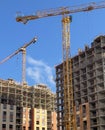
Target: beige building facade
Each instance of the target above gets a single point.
(8, 117)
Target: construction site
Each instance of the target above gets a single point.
(26, 107)
(88, 88)
(79, 101)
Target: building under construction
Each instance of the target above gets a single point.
(25, 107)
(88, 83)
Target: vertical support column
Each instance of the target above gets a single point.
(23, 65)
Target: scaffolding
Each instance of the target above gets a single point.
(39, 96)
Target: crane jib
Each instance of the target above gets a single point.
(61, 11)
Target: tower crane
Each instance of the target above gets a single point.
(23, 50)
(69, 119)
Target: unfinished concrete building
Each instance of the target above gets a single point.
(88, 77)
(25, 107)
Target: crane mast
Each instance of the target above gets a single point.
(23, 65)
(69, 120)
(67, 75)
(23, 50)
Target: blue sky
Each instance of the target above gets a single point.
(47, 52)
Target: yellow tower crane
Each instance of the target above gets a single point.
(23, 50)
(69, 120)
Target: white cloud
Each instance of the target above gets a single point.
(40, 72)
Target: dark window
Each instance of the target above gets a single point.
(4, 115)
(85, 125)
(37, 122)
(37, 128)
(11, 126)
(3, 125)
(29, 128)
(24, 128)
